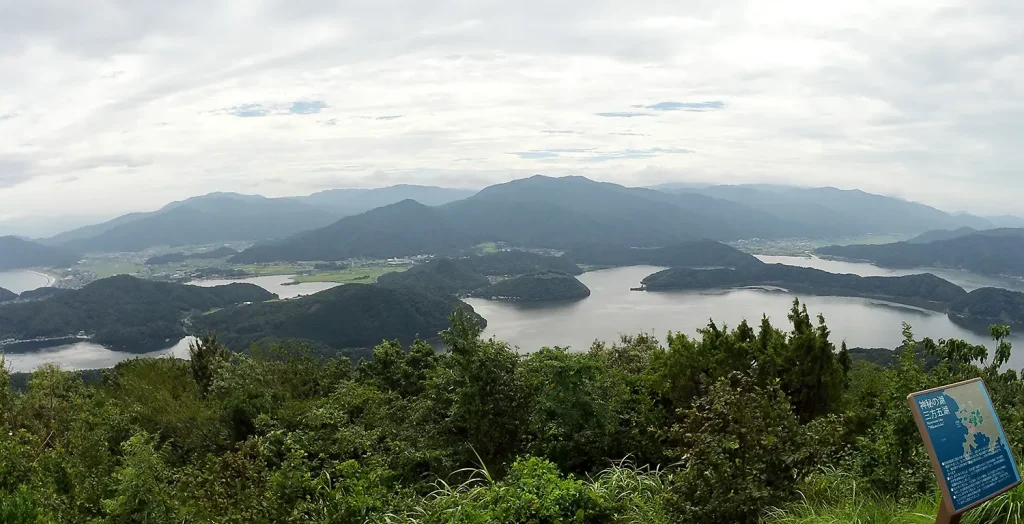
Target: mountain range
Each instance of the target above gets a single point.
(830, 212)
(539, 211)
(992, 251)
(572, 212)
(226, 217)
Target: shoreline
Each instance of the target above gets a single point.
(50, 279)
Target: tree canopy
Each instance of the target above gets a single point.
(747, 424)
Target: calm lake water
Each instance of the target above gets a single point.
(86, 355)
(612, 309)
(967, 280)
(274, 284)
(22, 281)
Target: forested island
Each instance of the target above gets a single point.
(698, 254)
(122, 312)
(536, 287)
(526, 277)
(353, 316)
(757, 424)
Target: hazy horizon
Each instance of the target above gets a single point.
(42, 226)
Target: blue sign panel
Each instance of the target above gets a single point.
(967, 442)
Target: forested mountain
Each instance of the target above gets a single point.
(536, 287)
(697, 254)
(349, 316)
(123, 312)
(994, 252)
(344, 202)
(942, 234)
(989, 305)
(224, 217)
(830, 212)
(535, 212)
(16, 253)
(174, 258)
(402, 229)
(6, 294)
(926, 290)
(217, 217)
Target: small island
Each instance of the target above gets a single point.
(536, 287)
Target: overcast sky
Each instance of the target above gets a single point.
(113, 106)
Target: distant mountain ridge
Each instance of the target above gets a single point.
(540, 211)
(991, 252)
(226, 217)
(830, 212)
(18, 253)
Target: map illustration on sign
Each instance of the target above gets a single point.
(966, 441)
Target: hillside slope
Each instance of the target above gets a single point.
(123, 312)
(349, 316)
(17, 253)
(993, 252)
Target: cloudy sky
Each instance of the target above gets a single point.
(109, 106)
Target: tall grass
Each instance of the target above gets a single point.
(833, 497)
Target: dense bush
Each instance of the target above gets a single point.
(734, 425)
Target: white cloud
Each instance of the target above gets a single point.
(110, 106)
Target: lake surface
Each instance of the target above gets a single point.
(965, 279)
(22, 281)
(86, 355)
(612, 309)
(274, 284)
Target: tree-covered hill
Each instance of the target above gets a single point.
(942, 234)
(989, 305)
(6, 294)
(926, 290)
(696, 254)
(401, 229)
(44, 293)
(17, 253)
(442, 276)
(993, 252)
(123, 312)
(174, 258)
(758, 424)
(349, 316)
(517, 262)
(536, 287)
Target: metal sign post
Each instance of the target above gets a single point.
(970, 455)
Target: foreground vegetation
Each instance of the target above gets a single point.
(744, 425)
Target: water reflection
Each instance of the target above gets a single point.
(612, 309)
(86, 355)
(280, 284)
(965, 279)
